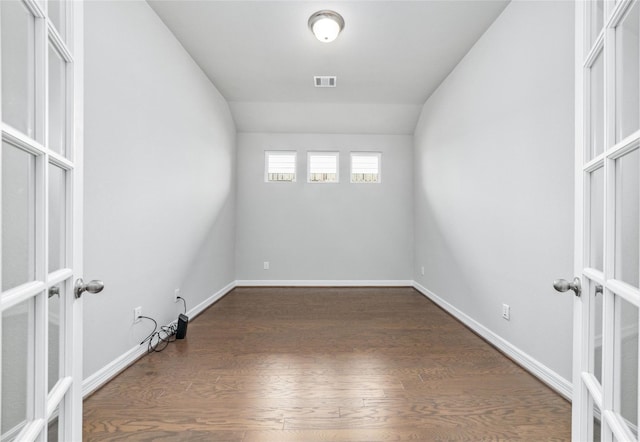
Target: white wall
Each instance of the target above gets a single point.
(324, 231)
(332, 118)
(494, 181)
(160, 178)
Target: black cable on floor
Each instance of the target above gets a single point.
(159, 339)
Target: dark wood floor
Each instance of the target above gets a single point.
(337, 364)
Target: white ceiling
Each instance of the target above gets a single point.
(389, 58)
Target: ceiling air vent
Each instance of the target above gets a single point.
(324, 81)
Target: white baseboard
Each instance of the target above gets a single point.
(195, 311)
(109, 371)
(324, 283)
(112, 369)
(535, 367)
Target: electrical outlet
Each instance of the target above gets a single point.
(176, 295)
(506, 311)
(422, 270)
(137, 312)
(266, 265)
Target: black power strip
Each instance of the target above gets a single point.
(159, 339)
(183, 321)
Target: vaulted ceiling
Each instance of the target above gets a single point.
(388, 60)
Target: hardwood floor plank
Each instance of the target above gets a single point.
(384, 435)
(376, 381)
(424, 418)
(326, 364)
(172, 419)
(166, 436)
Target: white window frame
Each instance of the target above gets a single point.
(362, 154)
(323, 153)
(266, 165)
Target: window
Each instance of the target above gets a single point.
(365, 167)
(322, 167)
(279, 166)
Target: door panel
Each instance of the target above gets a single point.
(607, 246)
(41, 120)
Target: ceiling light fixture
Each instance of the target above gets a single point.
(326, 25)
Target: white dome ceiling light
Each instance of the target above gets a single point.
(326, 25)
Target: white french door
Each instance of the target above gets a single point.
(41, 158)
(607, 241)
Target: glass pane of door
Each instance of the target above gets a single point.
(18, 216)
(597, 425)
(596, 329)
(597, 19)
(596, 217)
(57, 13)
(627, 244)
(627, 74)
(17, 32)
(596, 146)
(17, 367)
(53, 429)
(57, 101)
(626, 345)
(56, 295)
(57, 217)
